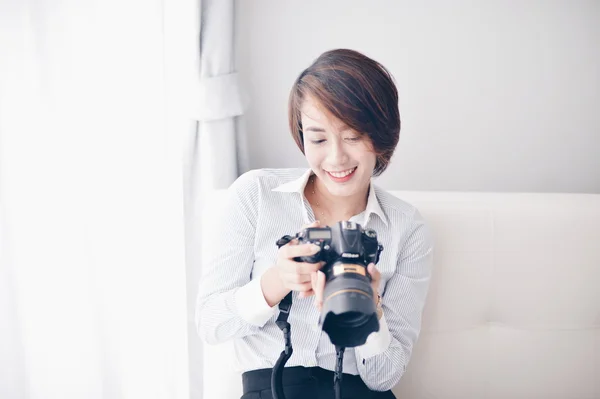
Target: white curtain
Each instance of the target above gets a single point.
(213, 157)
(92, 250)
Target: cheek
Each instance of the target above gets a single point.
(365, 156)
(312, 155)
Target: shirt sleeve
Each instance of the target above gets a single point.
(252, 305)
(378, 342)
(381, 366)
(229, 303)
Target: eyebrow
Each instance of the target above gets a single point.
(321, 130)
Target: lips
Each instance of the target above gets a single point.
(342, 176)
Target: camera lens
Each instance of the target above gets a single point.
(348, 315)
(351, 319)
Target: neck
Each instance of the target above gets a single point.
(341, 207)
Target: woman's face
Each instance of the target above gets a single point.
(341, 158)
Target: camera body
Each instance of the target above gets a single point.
(347, 240)
(348, 315)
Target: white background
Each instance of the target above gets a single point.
(494, 96)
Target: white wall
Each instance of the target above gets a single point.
(494, 95)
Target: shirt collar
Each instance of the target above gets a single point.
(298, 185)
(295, 186)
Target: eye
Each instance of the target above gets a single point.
(353, 139)
(316, 142)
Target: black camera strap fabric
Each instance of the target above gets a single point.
(276, 378)
(284, 311)
(337, 377)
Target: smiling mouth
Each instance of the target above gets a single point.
(342, 174)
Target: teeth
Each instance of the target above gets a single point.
(339, 175)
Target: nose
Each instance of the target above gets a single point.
(337, 155)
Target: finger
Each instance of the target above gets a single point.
(295, 278)
(375, 274)
(289, 266)
(307, 268)
(321, 281)
(319, 287)
(283, 249)
(299, 287)
(313, 280)
(300, 250)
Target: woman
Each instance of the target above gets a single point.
(343, 115)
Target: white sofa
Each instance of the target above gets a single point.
(514, 305)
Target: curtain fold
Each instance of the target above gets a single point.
(218, 94)
(212, 154)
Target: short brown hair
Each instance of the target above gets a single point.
(356, 90)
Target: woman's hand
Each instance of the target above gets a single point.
(287, 274)
(318, 284)
(295, 276)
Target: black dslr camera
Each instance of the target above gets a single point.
(348, 315)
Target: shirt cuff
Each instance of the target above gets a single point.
(251, 304)
(377, 343)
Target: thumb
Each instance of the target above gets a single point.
(375, 275)
(316, 223)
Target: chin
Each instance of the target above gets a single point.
(341, 192)
(342, 189)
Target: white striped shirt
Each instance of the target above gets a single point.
(264, 205)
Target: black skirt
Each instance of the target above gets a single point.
(307, 382)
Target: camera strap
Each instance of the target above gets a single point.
(276, 378)
(337, 378)
(284, 311)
